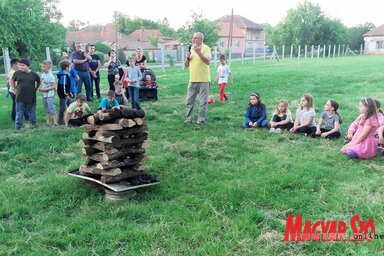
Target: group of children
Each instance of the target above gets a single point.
(363, 136)
(24, 83)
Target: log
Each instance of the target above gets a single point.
(85, 142)
(111, 127)
(106, 156)
(94, 118)
(116, 164)
(93, 150)
(110, 139)
(90, 162)
(123, 176)
(133, 130)
(138, 121)
(106, 147)
(92, 169)
(110, 115)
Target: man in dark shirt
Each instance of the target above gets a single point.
(94, 67)
(81, 59)
(26, 82)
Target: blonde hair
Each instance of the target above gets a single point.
(285, 102)
(47, 63)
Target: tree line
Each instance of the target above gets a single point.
(28, 26)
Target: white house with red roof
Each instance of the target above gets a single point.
(374, 41)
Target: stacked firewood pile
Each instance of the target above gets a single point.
(114, 146)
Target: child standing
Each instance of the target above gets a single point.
(119, 95)
(256, 114)
(281, 118)
(331, 120)
(363, 143)
(305, 117)
(223, 72)
(133, 77)
(48, 88)
(14, 67)
(26, 82)
(74, 77)
(63, 88)
(109, 102)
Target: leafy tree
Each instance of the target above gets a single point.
(126, 25)
(100, 47)
(198, 23)
(154, 41)
(307, 25)
(28, 28)
(356, 33)
(77, 25)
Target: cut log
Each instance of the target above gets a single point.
(111, 127)
(138, 121)
(85, 142)
(110, 115)
(133, 130)
(126, 174)
(89, 151)
(110, 139)
(106, 156)
(106, 147)
(90, 162)
(92, 169)
(116, 164)
(94, 118)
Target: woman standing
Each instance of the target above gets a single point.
(114, 67)
(141, 60)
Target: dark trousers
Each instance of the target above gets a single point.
(111, 80)
(13, 113)
(79, 121)
(286, 126)
(62, 108)
(307, 130)
(95, 81)
(334, 135)
(134, 96)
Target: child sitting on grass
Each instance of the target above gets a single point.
(281, 118)
(331, 120)
(256, 114)
(74, 115)
(305, 117)
(363, 143)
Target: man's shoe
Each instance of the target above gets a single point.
(200, 122)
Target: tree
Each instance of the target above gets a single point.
(356, 33)
(307, 25)
(198, 23)
(27, 28)
(77, 25)
(126, 25)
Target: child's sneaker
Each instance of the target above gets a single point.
(278, 130)
(272, 130)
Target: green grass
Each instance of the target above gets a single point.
(223, 190)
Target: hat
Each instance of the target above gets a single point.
(26, 62)
(111, 93)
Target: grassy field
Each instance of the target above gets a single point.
(224, 190)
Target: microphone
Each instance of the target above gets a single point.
(189, 48)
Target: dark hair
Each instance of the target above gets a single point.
(378, 105)
(64, 64)
(14, 61)
(111, 93)
(371, 107)
(26, 62)
(222, 57)
(109, 53)
(335, 106)
(257, 95)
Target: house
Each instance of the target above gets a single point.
(374, 41)
(246, 35)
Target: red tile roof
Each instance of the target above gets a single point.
(379, 31)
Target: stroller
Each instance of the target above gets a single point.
(148, 85)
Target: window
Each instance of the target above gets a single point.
(237, 44)
(221, 45)
(380, 44)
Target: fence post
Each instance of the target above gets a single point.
(312, 47)
(265, 51)
(361, 49)
(283, 52)
(305, 51)
(329, 50)
(338, 51)
(324, 49)
(298, 51)
(318, 51)
(343, 52)
(291, 50)
(162, 59)
(182, 58)
(334, 50)
(48, 54)
(215, 51)
(242, 58)
(254, 55)
(6, 59)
